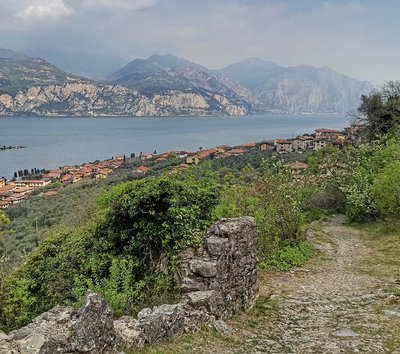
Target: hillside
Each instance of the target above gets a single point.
(300, 89)
(265, 86)
(165, 85)
(154, 64)
(32, 86)
(19, 72)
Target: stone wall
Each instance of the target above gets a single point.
(220, 280)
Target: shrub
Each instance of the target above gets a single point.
(272, 199)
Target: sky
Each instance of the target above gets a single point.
(358, 38)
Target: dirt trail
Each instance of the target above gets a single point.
(330, 307)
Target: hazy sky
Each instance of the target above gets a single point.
(358, 38)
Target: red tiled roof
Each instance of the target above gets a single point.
(143, 169)
(283, 141)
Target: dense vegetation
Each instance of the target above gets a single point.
(123, 240)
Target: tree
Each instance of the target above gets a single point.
(380, 110)
(4, 220)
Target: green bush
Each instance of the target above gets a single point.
(273, 200)
(386, 191)
(128, 253)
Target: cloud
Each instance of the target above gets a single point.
(120, 4)
(351, 36)
(49, 10)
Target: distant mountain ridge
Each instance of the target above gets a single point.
(19, 72)
(168, 85)
(266, 85)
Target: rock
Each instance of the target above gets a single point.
(3, 336)
(206, 269)
(9, 347)
(392, 313)
(47, 333)
(344, 332)
(221, 327)
(210, 301)
(65, 329)
(162, 323)
(94, 328)
(216, 245)
(128, 332)
(189, 284)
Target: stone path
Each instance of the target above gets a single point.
(330, 307)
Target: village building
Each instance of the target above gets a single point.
(40, 183)
(2, 182)
(103, 173)
(283, 146)
(7, 188)
(4, 204)
(266, 146)
(248, 146)
(190, 160)
(145, 156)
(53, 175)
(67, 179)
(320, 143)
(305, 142)
(68, 168)
(142, 169)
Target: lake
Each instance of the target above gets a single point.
(54, 142)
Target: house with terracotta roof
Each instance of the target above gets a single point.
(320, 142)
(248, 145)
(7, 188)
(53, 175)
(142, 169)
(68, 168)
(266, 146)
(4, 204)
(67, 179)
(192, 160)
(145, 156)
(32, 183)
(102, 173)
(305, 142)
(283, 146)
(2, 182)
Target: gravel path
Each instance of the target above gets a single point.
(330, 307)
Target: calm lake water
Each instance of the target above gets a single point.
(54, 142)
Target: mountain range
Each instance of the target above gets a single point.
(167, 85)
